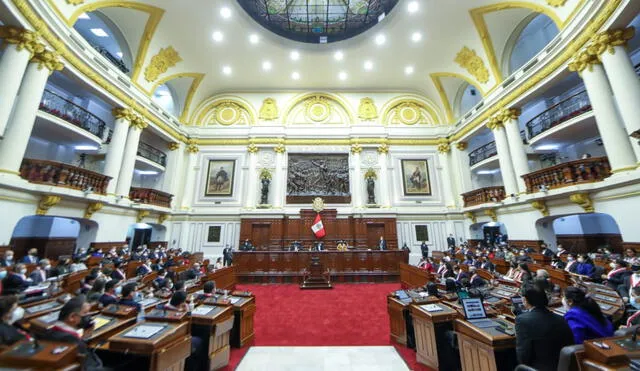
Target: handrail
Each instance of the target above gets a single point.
(117, 62)
(568, 173)
(70, 112)
(569, 108)
(482, 153)
(150, 197)
(63, 175)
(483, 195)
(151, 153)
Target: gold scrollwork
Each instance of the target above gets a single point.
(461, 146)
(583, 200)
(49, 60)
(252, 148)
(92, 208)
(471, 216)
(280, 148)
(556, 3)
(510, 115)
(469, 60)
(606, 41)
(173, 146)
(582, 61)
(491, 213)
(192, 147)
(138, 122)
(269, 110)
(443, 145)
(383, 149)
(161, 62)
(47, 202)
(408, 113)
(141, 215)
(123, 113)
(22, 39)
(317, 108)
(367, 110)
(356, 148)
(540, 206)
(495, 122)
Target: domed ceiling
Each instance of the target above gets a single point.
(318, 21)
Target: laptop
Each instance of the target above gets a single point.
(475, 314)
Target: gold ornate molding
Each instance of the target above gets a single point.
(461, 146)
(22, 39)
(367, 110)
(495, 122)
(47, 202)
(492, 214)
(443, 145)
(606, 41)
(138, 122)
(408, 113)
(583, 200)
(228, 113)
(540, 206)
(252, 148)
(383, 148)
(510, 114)
(280, 148)
(471, 216)
(162, 218)
(269, 110)
(49, 60)
(356, 148)
(92, 208)
(582, 61)
(370, 174)
(317, 108)
(173, 146)
(192, 147)
(556, 3)
(75, 2)
(141, 215)
(161, 62)
(469, 60)
(124, 113)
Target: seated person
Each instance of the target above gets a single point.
(585, 265)
(617, 274)
(459, 274)
(129, 295)
(486, 264)
(572, 263)
(144, 268)
(88, 282)
(179, 286)
(10, 313)
(31, 257)
(584, 316)
(633, 308)
(341, 246)
(97, 290)
(218, 264)
(159, 281)
(475, 280)
(318, 246)
(247, 246)
(41, 273)
(544, 250)
(382, 244)
(109, 296)
(117, 273)
(165, 289)
(73, 321)
(406, 247)
(7, 260)
(20, 270)
(178, 302)
(540, 334)
(208, 289)
(194, 272)
(198, 357)
(523, 257)
(432, 289)
(557, 263)
(63, 267)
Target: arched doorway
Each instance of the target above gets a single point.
(53, 236)
(488, 233)
(580, 233)
(144, 233)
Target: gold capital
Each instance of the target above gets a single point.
(162, 218)
(252, 148)
(138, 122)
(47, 202)
(495, 122)
(356, 148)
(141, 215)
(510, 114)
(49, 60)
(280, 148)
(192, 146)
(123, 113)
(173, 146)
(471, 216)
(461, 146)
(583, 200)
(443, 145)
(540, 206)
(492, 214)
(92, 208)
(22, 39)
(606, 41)
(383, 149)
(582, 61)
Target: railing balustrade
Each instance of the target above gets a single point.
(483, 196)
(63, 175)
(567, 174)
(152, 153)
(569, 108)
(117, 62)
(483, 153)
(70, 112)
(150, 197)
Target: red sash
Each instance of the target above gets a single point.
(58, 328)
(633, 317)
(615, 271)
(634, 281)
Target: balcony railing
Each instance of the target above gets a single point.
(150, 197)
(152, 153)
(569, 108)
(63, 175)
(70, 112)
(482, 153)
(117, 62)
(483, 196)
(569, 173)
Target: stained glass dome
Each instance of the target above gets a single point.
(318, 21)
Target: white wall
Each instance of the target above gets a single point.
(568, 225)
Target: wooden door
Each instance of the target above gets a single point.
(261, 236)
(374, 231)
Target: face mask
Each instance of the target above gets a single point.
(16, 315)
(580, 260)
(118, 290)
(47, 267)
(85, 322)
(3, 274)
(9, 258)
(23, 271)
(612, 265)
(565, 304)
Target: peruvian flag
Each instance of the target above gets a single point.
(317, 227)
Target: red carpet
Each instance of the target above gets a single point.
(347, 315)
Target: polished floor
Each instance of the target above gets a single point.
(323, 358)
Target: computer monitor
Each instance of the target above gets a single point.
(473, 308)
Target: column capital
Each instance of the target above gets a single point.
(495, 122)
(123, 113)
(356, 148)
(582, 61)
(383, 149)
(280, 148)
(92, 208)
(46, 202)
(443, 146)
(49, 60)
(172, 146)
(252, 148)
(22, 39)
(510, 114)
(192, 147)
(461, 146)
(138, 122)
(607, 40)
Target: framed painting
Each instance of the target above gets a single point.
(220, 178)
(415, 178)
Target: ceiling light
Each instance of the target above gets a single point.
(547, 147)
(338, 55)
(225, 12)
(217, 36)
(227, 70)
(84, 16)
(254, 39)
(99, 32)
(294, 55)
(147, 172)
(368, 65)
(342, 76)
(416, 36)
(381, 39)
(413, 6)
(295, 76)
(408, 70)
(85, 148)
(266, 65)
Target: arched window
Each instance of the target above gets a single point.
(106, 38)
(468, 96)
(165, 97)
(529, 38)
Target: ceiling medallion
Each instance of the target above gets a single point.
(228, 113)
(317, 109)
(318, 21)
(408, 113)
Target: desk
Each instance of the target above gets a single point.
(42, 308)
(23, 354)
(614, 358)
(244, 309)
(396, 309)
(213, 324)
(224, 278)
(430, 328)
(108, 329)
(411, 276)
(484, 349)
(345, 266)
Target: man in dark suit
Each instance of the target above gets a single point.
(41, 273)
(144, 269)
(487, 265)
(424, 249)
(194, 272)
(31, 257)
(227, 256)
(109, 296)
(8, 260)
(540, 334)
(451, 241)
(128, 294)
(382, 245)
(319, 246)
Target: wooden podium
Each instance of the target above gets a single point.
(430, 322)
(315, 277)
(213, 324)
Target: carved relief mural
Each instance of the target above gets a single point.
(318, 175)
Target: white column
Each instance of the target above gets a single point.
(516, 148)
(612, 131)
(460, 160)
(357, 176)
(504, 157)
(174, 170)
(125, 176)
(610, 47)
(113, 160)
(383, 179)
(192, 161)
(444, 160)
(21, 45)
(279, 190)
(18, 131)
(252, 177)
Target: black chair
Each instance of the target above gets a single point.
(568, 360)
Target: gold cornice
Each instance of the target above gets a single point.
(22, 39)
(46, 202)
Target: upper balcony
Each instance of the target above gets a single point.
(153, 154)
(487, 155)
(63, 175)
(150, 196)
(570, 173)
(483, 195)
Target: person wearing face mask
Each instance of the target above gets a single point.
(7, 260)
(41, 273)
(629, 282)
(523, 257)
(617, 274)
(540, 334)
(634, 305)
(572, 264)
(31, 258)
(129, 295)
(584, 316)
(10, 313)
(585, 265)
